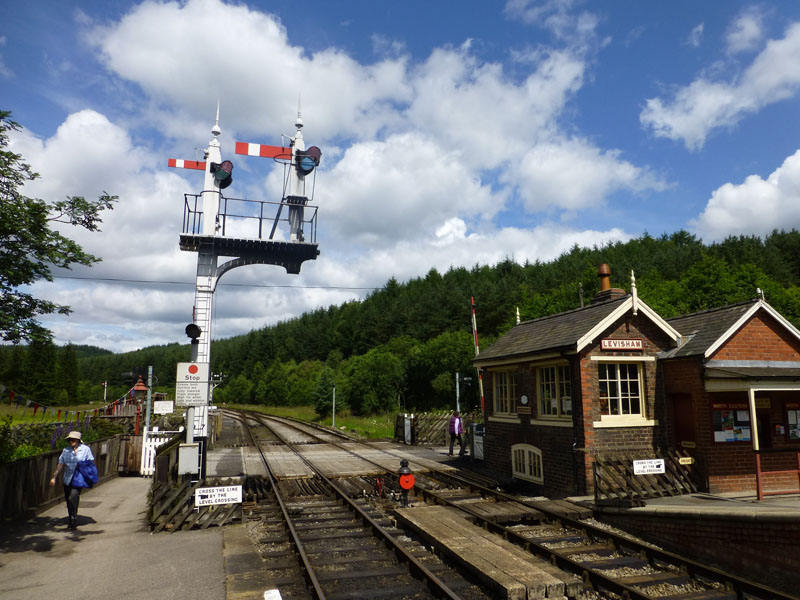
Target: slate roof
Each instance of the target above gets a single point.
(751, 372)
(702, 329)
(554, 332)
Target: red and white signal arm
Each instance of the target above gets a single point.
(407, 481)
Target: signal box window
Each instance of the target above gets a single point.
(505, 390)
(620, 389)
(555, 392)
(526, 461)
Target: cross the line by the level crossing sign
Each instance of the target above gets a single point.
(649, 466)
(218, 495)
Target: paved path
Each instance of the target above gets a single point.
(111, 555)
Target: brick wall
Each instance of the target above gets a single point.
(761, 338)
(601, 440)
(731, 466)
(556, 443)
(765, 546)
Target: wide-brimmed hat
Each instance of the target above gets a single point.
(74, 435)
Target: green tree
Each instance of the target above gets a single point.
(68, 373)
(323, 393)
(29, 248)
(238, 390)
(374, 382)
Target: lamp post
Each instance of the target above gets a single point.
(139, 391)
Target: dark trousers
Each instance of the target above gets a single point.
(72, 495)
(453, 437)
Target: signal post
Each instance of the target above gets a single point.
(207, 216)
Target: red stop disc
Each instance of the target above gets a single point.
(406, 482)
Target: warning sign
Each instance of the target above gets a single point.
(191, 384)
(650, 466)
(230, 494)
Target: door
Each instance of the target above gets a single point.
(683, 411)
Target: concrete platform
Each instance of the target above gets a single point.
(742, 506)
(111, 555)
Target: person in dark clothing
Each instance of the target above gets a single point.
(456, 429)
(76, 452)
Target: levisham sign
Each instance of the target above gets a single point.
(616, 344)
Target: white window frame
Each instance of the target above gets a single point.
(509, 387)
(558, 384)
(629, 420)
(526, 463)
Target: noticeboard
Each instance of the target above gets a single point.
(162, 407)
(191, 384)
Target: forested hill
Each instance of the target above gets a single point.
(403, 344)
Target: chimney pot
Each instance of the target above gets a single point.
(606, 291)
(604, 273)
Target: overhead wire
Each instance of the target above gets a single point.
(192, 283)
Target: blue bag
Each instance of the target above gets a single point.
(85, 475)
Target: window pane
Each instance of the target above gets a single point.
(619, 389)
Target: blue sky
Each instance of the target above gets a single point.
(452, 134)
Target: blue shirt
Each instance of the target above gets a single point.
(70, 458)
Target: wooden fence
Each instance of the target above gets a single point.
(432, 428)
(616, 483)
(25, 483)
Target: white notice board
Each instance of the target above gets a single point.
(218, 495)
(162, 407)
(191, 384)
(650, 466)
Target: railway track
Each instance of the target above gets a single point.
(607, 564)
(321, 543)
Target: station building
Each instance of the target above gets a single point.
(721, 386)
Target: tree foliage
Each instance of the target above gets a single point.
(401, 346)
(29, 247)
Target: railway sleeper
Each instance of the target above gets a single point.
(399, 592)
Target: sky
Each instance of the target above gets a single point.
(452, 134)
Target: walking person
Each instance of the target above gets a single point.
(456, 429)
(76, 458)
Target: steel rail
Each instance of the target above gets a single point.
(591, 576)
(420, 571)
(693, 568)
(310, 574)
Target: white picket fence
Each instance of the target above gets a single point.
(150, 444)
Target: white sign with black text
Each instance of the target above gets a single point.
(651, 466)
(191, 384)
(162, 407)
(230, 494)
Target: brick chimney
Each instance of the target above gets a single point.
(606, 291)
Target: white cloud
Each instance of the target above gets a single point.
(703, 106)
(756, 206)
(4, 70)
(695, 36)
(746, 32)
(561, 17)
(419, 159)
(250, 66)
(573, 174)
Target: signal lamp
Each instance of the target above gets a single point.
(308, 160)
(223, 173)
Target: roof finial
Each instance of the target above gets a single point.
(299, 122)
(216, 130)
(760, 294)
(634, 294)
(518, 315)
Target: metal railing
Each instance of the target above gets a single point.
(249, 219)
